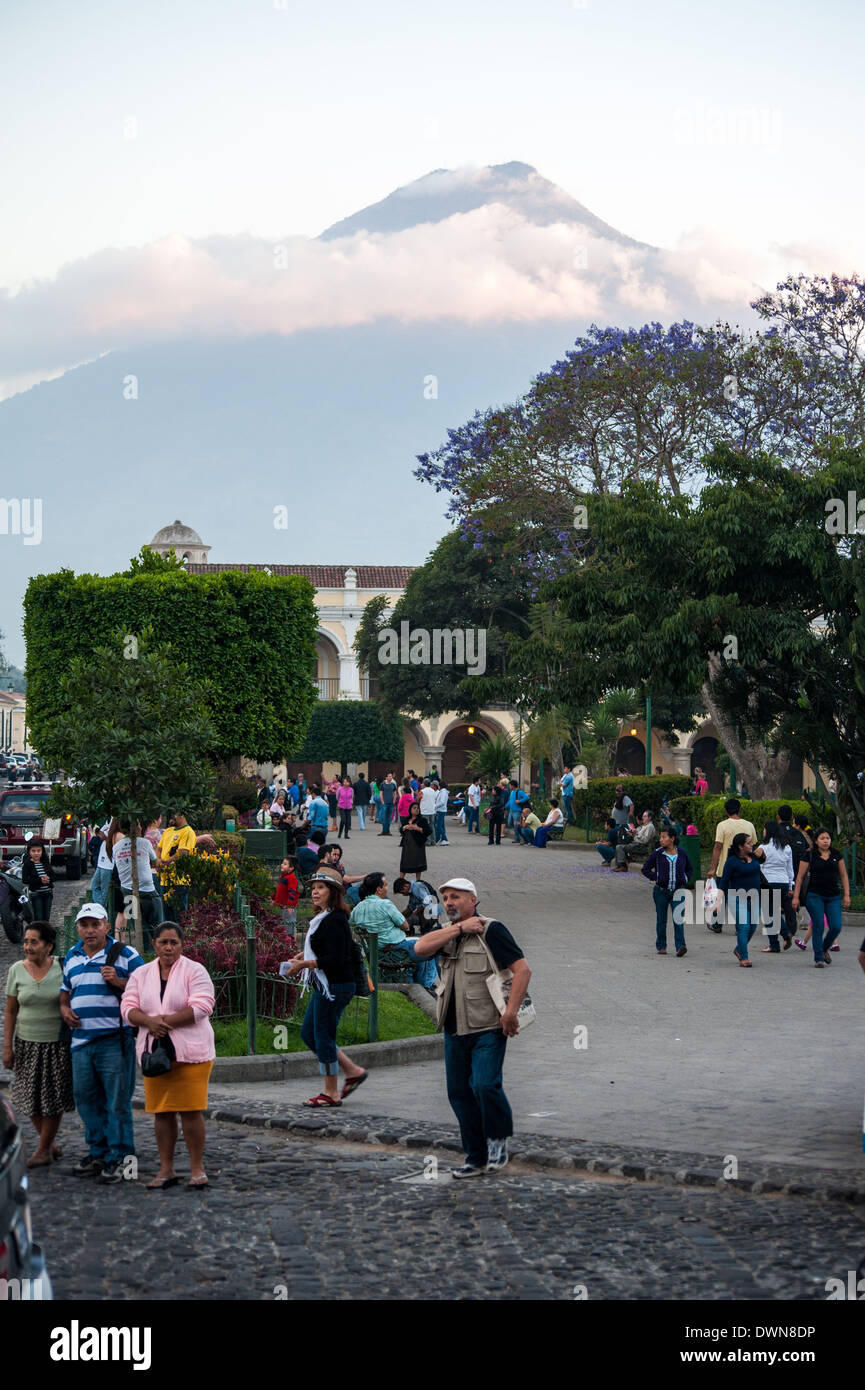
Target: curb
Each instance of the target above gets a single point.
(282, 1066)
(678, 1169)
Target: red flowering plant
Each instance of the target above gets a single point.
(215, 937)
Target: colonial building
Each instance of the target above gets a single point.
(446, 741)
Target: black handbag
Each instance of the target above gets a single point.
(158, 1055)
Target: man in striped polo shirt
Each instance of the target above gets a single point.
(103, 1047)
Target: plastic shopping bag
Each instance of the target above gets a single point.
(713, 905)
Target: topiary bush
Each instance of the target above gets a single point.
(231, 841)
(647, 793)
(707, 811)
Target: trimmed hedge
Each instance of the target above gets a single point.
(233, 842)
(351, 731)
(220, 624)
(707, 811)
(647, 793)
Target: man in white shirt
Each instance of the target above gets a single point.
(428, 805)
(101, 879)
(554, 819)
(440, 835)
(473, 808)
(152, 911)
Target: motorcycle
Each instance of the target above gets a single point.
(16, 912)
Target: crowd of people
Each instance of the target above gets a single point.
(75, 1029)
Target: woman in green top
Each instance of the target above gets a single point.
(43, 1071)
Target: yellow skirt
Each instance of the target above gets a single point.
(182, 1088)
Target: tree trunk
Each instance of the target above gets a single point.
(138, 925)
(762, 772)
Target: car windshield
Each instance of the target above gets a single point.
(13, 807)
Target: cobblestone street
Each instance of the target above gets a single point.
(336, 1220)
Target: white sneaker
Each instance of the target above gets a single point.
(468, 1170)
(497, 1154)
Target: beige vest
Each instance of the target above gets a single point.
(464, 966)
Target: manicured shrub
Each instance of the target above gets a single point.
(231, 841)
(707, 811)
(647, 793)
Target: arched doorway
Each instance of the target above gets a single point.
(460, 742)
(703, 752)
(327, 668)
(630, 755)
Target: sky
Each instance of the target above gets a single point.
(154, 155)
(124, 123)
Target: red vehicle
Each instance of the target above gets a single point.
(22, 812)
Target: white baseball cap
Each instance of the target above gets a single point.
(463, 885)
(93, 910)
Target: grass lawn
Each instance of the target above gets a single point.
(398, 1017)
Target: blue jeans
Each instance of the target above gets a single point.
(745, 929)
(103, 1078)
(473, 819)
(525, 833)
(361, 817)
(386, 817)
(567, 802)
(425, 972)
(818, 907)
(318, 1030)
(473, 1068)
(440, 835)
(606, 852)
(513, 822)
(99, 886)
(665, 900)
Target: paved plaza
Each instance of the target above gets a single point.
(693, 1054)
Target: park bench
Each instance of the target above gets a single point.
(394, 966)
(557, 833)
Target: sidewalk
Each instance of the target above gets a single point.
(691, 1055)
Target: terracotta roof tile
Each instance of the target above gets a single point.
(377, 577)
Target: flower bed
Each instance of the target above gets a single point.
(216, 937)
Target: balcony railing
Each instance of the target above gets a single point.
(328, 687)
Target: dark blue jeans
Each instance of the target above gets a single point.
(103, 1078)
(567, 803)
(318, 1030)
(818, 907)
(473, 819)
(386, 816)
(665, 902)
(473, 1067)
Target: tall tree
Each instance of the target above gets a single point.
(742, 596)
(133, 733)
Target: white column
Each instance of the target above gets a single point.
(349, 677)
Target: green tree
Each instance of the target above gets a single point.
(494, 759)
(461, 586)
(345, 731)
(133, 734)
(742, 597)
(251, 634)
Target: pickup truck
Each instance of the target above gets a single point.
(22, 810)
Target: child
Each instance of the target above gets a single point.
(38, 876)
(286, 895)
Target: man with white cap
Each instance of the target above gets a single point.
(103, 1047)
(471, 949)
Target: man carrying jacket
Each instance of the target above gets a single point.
(475, 1033)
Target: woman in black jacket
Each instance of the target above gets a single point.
(412, 841)
(496, 815)
(38, 876)
(327, 959)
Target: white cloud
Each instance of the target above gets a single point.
(488, 265)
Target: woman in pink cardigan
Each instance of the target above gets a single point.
(345, 801)
(174, 999)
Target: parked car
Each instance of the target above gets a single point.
(23, 1272)
(22, 809)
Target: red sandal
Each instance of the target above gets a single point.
(321, 1101)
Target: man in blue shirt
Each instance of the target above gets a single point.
(103, 1046)
(293, 791)
(515, 803)
(567, 787)
(318, 811)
